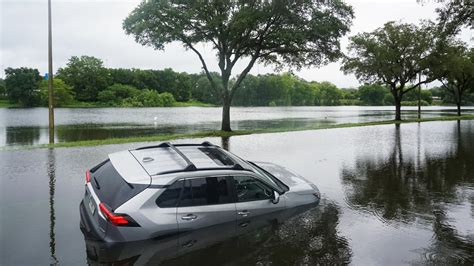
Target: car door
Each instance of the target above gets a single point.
(254, 200)
(205, 201)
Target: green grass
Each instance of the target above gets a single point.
(193, 103)
(7, 104)
(166, 137)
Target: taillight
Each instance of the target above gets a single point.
(88, 176)
(117, 219)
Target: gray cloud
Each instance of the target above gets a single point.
(95, 28)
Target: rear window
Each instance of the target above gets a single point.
(110, 187)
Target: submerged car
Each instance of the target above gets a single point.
(164, 190)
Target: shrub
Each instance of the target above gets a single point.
(150, 98)
(117, 93)
(63, 93)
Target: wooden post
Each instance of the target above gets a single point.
(50, 78)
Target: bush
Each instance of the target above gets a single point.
(116, 94)
(150, 98)
(63, 93)
(167, 99)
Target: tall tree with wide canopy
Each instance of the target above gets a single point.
(393, 55)
(87, 76)
(296, 33)
(455, 71)
(454, 15)
(22, 85)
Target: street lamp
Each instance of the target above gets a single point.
(50, 78)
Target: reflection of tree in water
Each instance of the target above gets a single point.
(308, 238)
(225, 143)
(397, 188)
(22, 135)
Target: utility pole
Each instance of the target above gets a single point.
(419, 96)
(50, 78)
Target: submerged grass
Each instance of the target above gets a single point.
(165, 137)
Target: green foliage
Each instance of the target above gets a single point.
(412, 95)
(374, 57)
(149, 98)
(115, 94)
(328, 94)
(63, 93)
(394, 55)
(455, 70)
(203, 91)
(282, 33)
(22, 86)
(86, 75)
(454, 15)
(3, 89)
(373, 94)
(167, 80)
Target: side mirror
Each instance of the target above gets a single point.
(276, 197)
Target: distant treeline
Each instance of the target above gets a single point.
(86, 80)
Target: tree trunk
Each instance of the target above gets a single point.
(226, 116)
(398, 108)
(459, 107)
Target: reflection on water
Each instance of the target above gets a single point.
(30, 126)
(52, 217)
(305, 235)
(421, 188)
(391, 195)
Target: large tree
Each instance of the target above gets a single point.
(296, 33)
(455, 71)
(393, 55)
(86, 75)
(22, 86)
(454, 15)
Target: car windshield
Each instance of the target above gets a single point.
(268, 177)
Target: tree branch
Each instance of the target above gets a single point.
(204, 65)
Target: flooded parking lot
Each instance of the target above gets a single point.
(391, 195)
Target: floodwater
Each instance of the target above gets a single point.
(30, 126)
(391, 195)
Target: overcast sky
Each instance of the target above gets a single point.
(95, 28)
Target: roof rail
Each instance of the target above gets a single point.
(233, 167)
(190, 166)
(162, 145)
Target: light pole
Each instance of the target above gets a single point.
(50, 78)
(419, 96)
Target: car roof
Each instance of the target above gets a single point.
(165, 162)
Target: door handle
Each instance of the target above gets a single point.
(243, 213)
(189, 217)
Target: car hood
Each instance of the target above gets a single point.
(297, 183)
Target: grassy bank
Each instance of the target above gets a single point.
(166, 137)
(7, 104)
(193, 103)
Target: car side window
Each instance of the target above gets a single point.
(205, 191)
(170, 197)
(251, 189)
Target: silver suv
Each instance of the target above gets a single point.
(165, 190)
